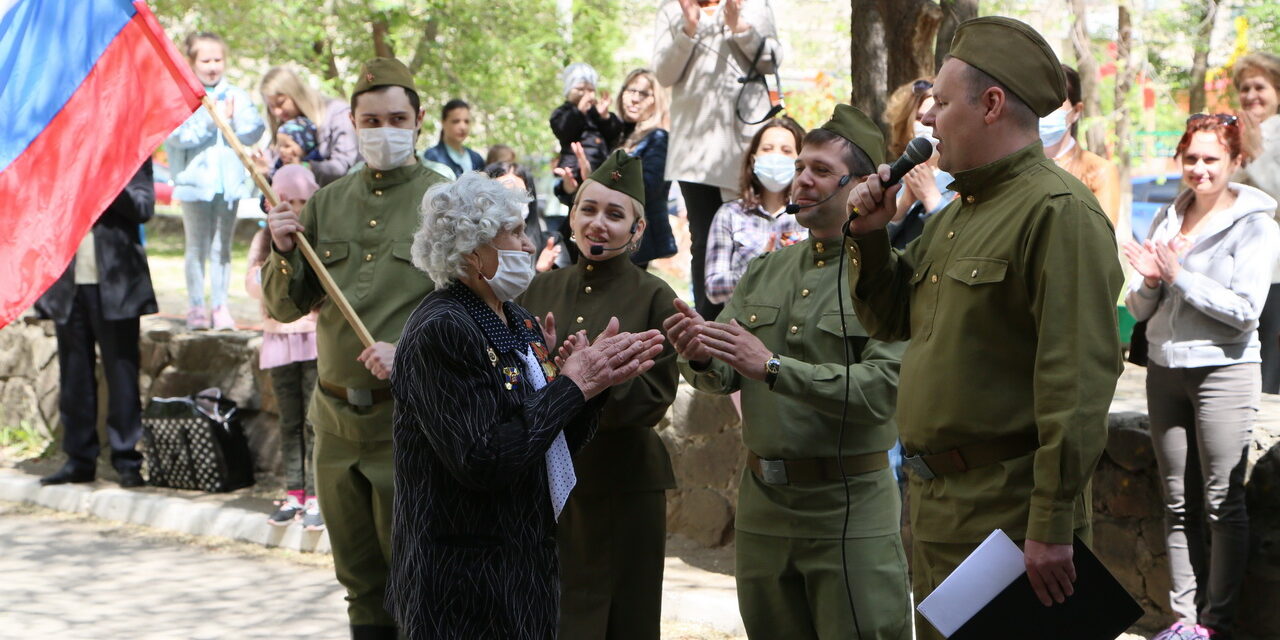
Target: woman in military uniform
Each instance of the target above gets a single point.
(612, 533)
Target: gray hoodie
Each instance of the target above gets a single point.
(1209, 315)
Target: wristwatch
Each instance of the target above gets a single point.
(771, 368)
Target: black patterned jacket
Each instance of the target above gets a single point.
(473, 534)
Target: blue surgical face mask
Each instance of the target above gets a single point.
(775, 171)
(1053, 127)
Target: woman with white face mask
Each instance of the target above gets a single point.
(1058, 134)
(757, 222)
(924, 188)
(487, 422)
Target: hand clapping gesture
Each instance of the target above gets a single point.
(1155, 261)
(570, 182)
(611, 359)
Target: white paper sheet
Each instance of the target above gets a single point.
(994, 565)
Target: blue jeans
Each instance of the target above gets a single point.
(208, 229)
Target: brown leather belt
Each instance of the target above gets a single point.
(973, 456)
(356, 397)
(814, 469)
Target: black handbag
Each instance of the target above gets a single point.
(196, 442)
(1138, 345)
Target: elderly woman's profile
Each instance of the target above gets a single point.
(487, 418)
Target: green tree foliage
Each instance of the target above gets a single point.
(502, 56)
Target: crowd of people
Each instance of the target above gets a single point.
(487, 466)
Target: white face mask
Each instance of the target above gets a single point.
(923, 131)
(515, 272)
(385, 147)
(775, 171)
(1053, 128)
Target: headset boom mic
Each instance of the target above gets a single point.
(917, 151)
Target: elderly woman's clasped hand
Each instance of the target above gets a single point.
(613, 357)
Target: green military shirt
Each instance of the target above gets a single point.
(788, 299)
(362, 226)
(1008, 299)
(625, 454)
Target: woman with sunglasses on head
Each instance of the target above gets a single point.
(924, 188)
(1256, 78)
(1201, 278)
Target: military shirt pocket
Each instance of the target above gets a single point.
(332, 252)
(853, 334)
(920, 274)
(403, 249)
(978, 271)
(755, 316)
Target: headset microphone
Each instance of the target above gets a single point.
(793, 208)
(597, 250)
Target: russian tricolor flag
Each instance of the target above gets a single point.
(88, 90)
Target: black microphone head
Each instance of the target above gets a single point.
(793, 208)
(919, 150)
(596, 250)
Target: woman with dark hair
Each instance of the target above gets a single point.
(757, 222)
(924, 188)
(1256, 78)
(455, 126)
(1058, 134)
(1202, 276)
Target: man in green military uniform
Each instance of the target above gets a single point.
(782, 341)
(361, 226)
(1008, 299)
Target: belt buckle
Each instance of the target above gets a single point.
(360, 397)
(773, 471)
(918, 467)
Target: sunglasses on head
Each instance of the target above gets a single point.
(1224, 119)
(921, 86)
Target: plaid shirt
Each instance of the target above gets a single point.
(738, 235)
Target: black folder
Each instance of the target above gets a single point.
(1100, 609)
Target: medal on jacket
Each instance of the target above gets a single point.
(513, 377)
(493, 357)
(549, 369)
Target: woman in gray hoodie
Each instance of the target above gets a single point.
(1202, 278)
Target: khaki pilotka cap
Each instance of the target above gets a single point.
(623, 173)
(854, 125)
(383, 72)
(1013, 53)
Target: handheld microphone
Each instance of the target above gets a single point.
(597, 250)
(917, 151)
(793, 208)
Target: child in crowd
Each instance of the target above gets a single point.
(584, 117)
(296, 143)
(289, 355)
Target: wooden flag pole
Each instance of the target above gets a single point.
(326, 280)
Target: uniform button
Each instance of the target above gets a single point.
(373, 223)
(804, 293)
(818, 246)
(327, 253)
(368, 257)
(951, 234)
(284, 271)
(974, 274)
(752, 318)
(591, 267)
(822, 263)
(378, 175)
(854, 261)
(970, 199)
(795, 329)
(933, 278)
(284, 263)
(588, 289)
(377, 192)
(579, 319)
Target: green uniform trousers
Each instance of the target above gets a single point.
(794, 588)
(612, 549)
(932, 562)
(355, 481)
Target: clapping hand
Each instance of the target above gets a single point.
(570, 182)
(612, 359)
(682, 329)
(733, 16)
(692, 13)
(547, 259)
(736, 347)
(1155, 261)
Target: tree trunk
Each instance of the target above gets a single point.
(1087, 66)
(425, 45)
(910, 27)
(381, 47)
(867, 59)
(953, 13)
(1200, 63)
(1124, 85)
(324, 52)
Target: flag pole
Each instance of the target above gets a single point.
(326, 280)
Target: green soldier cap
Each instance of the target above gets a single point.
(383, 72)
(1013, 53)
(853, 125)
(622, 173)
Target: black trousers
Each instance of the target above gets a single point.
(78, 396)
(1269, 335)
(701, 201)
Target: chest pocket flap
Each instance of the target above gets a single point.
(402, 249)
(920, 273)
(758, 315)
(976, 271)
(331, 252)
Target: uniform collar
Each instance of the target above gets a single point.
(601, 270)
(516, 336)
(824, 252)
(973, 183)
(387, 178)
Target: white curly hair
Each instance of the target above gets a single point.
(459, 216)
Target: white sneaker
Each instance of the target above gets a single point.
(311, 518)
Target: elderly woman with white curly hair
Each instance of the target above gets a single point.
(486, 421)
